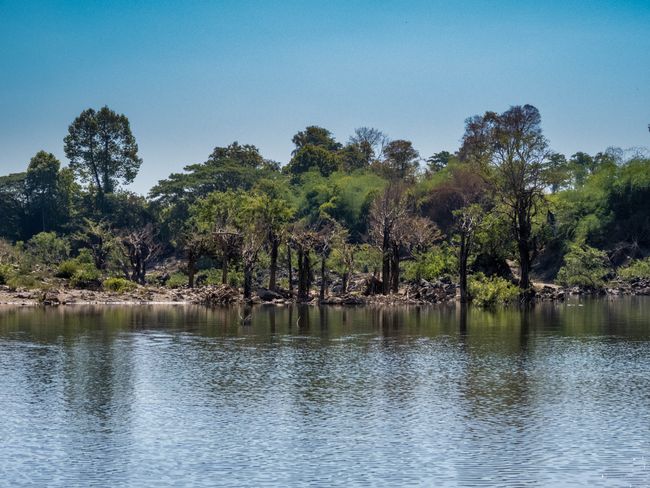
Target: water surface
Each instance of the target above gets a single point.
(188, 396)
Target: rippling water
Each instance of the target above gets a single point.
(186, 396)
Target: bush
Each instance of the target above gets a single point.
(584, 266)
(19, 280)
(119, 285)
(67, 269)
(48, 249)
(431, 265)
(177, 280)
(489, 291)
(637, 269)
(6, 271)
(367, 258)
(86, 276)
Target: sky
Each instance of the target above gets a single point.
(192, 75)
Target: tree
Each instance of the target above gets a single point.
(276, 212)
(388, 211)
(139, 248)
(100, 239)
(401, 160)
(313, 157)
(315, 136)
(370, 143)
(102, 150)
(195, 243)
(468, 221)
(303, 239)
(516, 152)
(439, 161)
(41, 185)
(13, 205)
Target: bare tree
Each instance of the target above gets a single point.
(139, 248)
(411, 234)
(387, 212)
(468, 221)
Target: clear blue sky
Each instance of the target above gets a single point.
(194, 75)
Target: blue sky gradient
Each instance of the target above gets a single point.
(194, 75)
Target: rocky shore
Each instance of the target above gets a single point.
(419, 293)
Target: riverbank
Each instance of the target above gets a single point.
(421, 293)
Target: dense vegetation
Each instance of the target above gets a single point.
(494, 215)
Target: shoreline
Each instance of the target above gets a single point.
(224, 295)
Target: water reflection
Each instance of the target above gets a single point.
(121, 396)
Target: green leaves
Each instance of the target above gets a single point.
(102, 149)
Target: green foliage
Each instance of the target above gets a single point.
(433, 264)
(86, 276)
(584, 266)
(637, 269)
(21, 280)
(6, 272)
(313, 158)
(119, 285)
(81, 271)
(177, 280)
(48, 249)
(67, 268)
(487, 291)
(367, 258)
(102, 149)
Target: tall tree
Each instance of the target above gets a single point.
(516, 151)
(102, 150)
(370, 142)
(401, 160)
(468, 221)
(388, 212)
(315, 136)
(41, 184)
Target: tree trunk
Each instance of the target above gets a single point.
(248, 281)
(524, 265)
(191, 271)
(523, 244)
(344, 282)
(385, 265)
(394, 264)
(303, 275)
(290, 269)
(274, 264)
(323, 280)
(224, 271)
(463, 269)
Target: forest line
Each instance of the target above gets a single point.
(499, 212)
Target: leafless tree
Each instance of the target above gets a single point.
(139, 248)
(388, 211)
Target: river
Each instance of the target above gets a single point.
(435, 396)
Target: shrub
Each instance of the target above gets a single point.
(637, 269)
(177, 280)
(86, 276)
(119, 285)
(6, 272)
(433, 264)
(46, 248)
(367, 258)
(489, 291)
(584, 266)
(19, 280)
(67, 268)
